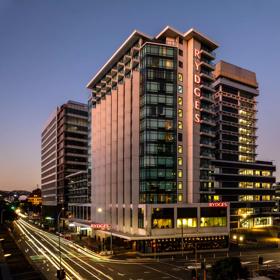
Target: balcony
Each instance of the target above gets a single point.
(208, 53)
(207, 133)
(207, 86)
(207, 76)
(208, 64)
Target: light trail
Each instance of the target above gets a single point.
(72, 271)
(52, 241)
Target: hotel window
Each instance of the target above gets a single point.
(258, 172)
(180, 125)
(180, 185)
(180, 52)
(180, 77)
(180, 64)
(180, 173)
(180, 113)
(180, 149)
(180, 101)
(216, 198)
(266, 173)
(266, 185)
(180, 161)
(265, 197)
(257, 185)
(180, 197)
(180, 89)
(180, 137)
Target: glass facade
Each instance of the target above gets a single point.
(158, 111)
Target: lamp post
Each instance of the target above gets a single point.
(60, 274)
(99, 210)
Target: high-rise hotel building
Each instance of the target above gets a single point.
(153, 141)
(239, 177)
(64, 151)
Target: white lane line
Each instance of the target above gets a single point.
(69, 253)
(152, 268)
(244, 263)
(268, 261)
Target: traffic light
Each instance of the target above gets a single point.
(260, 260)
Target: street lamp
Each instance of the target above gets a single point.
(61, 274)
(99, 210)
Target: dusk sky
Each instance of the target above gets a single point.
(50, 49)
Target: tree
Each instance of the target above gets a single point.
(229, 269)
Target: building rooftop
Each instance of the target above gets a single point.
(236, 73)
(133, 39)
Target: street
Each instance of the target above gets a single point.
(79, 263)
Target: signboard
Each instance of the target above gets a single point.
(217, 204)
(196, 87)
(100, 226)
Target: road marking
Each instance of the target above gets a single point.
(120, 274)
(152, 268)
(268, 261)
(243, 263)
(111, 269)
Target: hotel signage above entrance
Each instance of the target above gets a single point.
(217, 204)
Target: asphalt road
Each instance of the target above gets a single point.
(79, 263)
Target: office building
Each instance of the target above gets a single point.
(239, 177)
(153, 142)
(64, 151)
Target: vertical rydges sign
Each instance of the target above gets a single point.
(196, 87)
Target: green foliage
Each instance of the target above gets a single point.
(229, 269)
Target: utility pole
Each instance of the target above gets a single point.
(182, 240)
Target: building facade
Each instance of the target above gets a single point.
(64, 151)
(239, 177)
(153, 140)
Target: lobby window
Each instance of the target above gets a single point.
(180, 113)
(162, 218)
(180, 77)
(180, 185)
(186, 222)
(213, 217)
(180, 161)
(180, 89)
(180, 125)
(180, 197)
(180, 149)
(180, 101)
(180, 173)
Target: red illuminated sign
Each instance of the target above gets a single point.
(217, 204)
(100, 226)
(196, 89)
